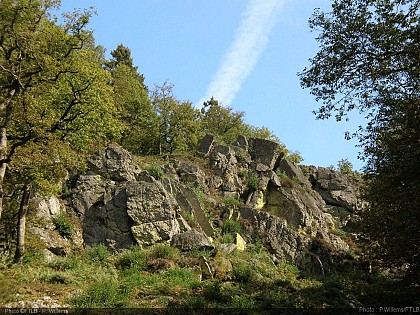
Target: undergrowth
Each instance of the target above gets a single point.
(161, 276)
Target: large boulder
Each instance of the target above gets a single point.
(273, 231)
(191, 240)
(298, 207)
(293, 171)
(206, 145)
(335, 188)
(102, 207)
(154, 212)
(265, 153)
(113, 162)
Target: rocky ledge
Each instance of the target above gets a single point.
(296, 215)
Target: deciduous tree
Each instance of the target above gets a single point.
(369, 60)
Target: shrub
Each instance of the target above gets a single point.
(242, 272)
(231, 202)
(163, 251)
(154, 170)
(227, 239)
(253, 181)
(98, 253)
(135, 258)
(63, 225)
(231, 227)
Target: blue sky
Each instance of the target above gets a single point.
(188, 43)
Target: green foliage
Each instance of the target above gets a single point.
(134, 258)
(136, 113)
(242, 272)
(345, 167)
(63, 225)
(231, 227)
(226, 238)
(178, 124)
(106, 293)
(65, 264)
(98, 253)
(33, 256)
(231, 202)
(56, 277)
(222, 122)
(295, 157)
(369, 61)
(253, 181)
(120, 56)
(155, 170)
(163, 251)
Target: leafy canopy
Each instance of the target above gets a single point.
(369, 60)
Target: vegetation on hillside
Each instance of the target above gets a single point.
(60, 99)
(369, 61)
(161, 276)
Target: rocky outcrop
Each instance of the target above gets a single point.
(153, 211)
(42, 226)
(335, 188)
(114, 162)
(340, 193)
(282, 241)
(102, 206)
(119, 204)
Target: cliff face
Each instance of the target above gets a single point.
(185, 200)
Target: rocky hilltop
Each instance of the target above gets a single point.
(297, 212)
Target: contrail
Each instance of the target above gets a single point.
(240, 59)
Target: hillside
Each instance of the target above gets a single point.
(234, 226)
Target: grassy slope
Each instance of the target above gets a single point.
(162, 276)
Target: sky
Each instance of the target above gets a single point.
(245, 53)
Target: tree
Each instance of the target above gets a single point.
(178, 121)
(120, 56)
(369, 60)
(138, 118)
(55, 100)
(222, 122)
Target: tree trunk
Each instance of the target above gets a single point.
(21, 228)
(3, 147)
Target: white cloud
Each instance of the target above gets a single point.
(240, 59)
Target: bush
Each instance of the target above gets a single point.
(135, 258)
(227, 239)
(98, 253)
(231, 202)
(63, 225)
(163, 251)
(242, 272)
(155, 170)
(253, 181)
(231, 227)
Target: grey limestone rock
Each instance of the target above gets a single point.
(113, 162)
(190, 240)
(335, 188)
(265, 152)
(153, 212)
(206, 145)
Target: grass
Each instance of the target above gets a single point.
(63, 225)
(98, 278)
(154, 169)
